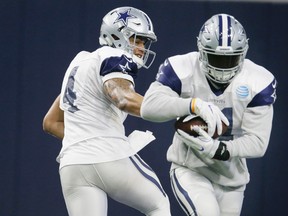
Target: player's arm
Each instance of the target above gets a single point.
(122, 94)
(163, 101)
(257, 126)
(53, 122)
(162, 104)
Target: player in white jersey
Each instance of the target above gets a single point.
(209, 176)
(97, 159)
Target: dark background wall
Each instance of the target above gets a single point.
(38, 38)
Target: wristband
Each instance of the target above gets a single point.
(222, 152)
(193, 105)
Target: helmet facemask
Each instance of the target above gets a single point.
(221, 67)
(147, 56)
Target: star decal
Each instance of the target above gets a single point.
(125, 67)
(273, 95)
(158, 75)
(205, 29)
(124, 16)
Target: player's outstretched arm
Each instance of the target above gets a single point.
(122, 94)
(162, 104)
(53, 122)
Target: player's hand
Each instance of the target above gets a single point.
(209, 113)
(205, 144)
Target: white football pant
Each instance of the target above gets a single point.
(197, 196)
(129, 181)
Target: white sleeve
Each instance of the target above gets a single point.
(257, 126)
(162, 104)
(118, 75)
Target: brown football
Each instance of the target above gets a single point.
(196, 120)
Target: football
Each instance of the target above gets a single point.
(186, 124)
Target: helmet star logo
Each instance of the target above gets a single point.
(205, 29)
(124, 16)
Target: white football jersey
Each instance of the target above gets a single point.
(94, 130)
(246, 102)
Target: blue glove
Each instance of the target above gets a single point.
(205, 144)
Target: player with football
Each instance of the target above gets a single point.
(209, 176)
(97, 159)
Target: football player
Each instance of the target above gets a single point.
(209, 176)
(97, 159)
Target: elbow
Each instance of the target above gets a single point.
(259, 150)
(258, 154)
(262, 147)
(46, 125)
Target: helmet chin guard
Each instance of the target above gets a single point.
(223, 45)
(120, 24)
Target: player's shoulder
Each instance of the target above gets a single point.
(256, 75)
(256, 71)
(114, 56)
(81, 56)
(107, 52)
(256, 81)
(183, 59)
(183, 63)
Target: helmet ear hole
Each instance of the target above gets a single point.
(107, 40)
(115, 37)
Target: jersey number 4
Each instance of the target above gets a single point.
(70, 95)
